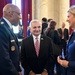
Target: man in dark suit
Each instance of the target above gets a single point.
(33, 62)
(9, 49)
(44, 24)
(64, 34)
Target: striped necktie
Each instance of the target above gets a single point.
(37, 46)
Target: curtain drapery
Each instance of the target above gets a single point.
(2, 4)
(72, 2)
(26, 9)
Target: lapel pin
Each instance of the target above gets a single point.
(41, 38)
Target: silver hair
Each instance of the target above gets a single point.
(33, 21)
(72, 9)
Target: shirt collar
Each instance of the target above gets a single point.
(10, 25)
(37, 36)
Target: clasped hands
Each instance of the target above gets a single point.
(63, 63)
(43, 73)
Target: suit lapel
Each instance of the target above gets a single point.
(41, 44)
(7, 26)
(72, 38)
(12, 32)
(32, 46)
(9, 30)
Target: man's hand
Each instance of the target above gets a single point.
(20, 73)
(32, 73)
(44, 73)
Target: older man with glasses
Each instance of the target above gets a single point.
(9, 49)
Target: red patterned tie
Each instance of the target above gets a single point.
(37, 46)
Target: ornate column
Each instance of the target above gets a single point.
(57, 10)
(63, 7)
(35, 9)
(43, 8)
(51, 6)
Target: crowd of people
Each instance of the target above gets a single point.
(36, 55)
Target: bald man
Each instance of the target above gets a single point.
(9, 49)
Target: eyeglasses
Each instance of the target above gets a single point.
(17, 13)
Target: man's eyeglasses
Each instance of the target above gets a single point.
(17, 13)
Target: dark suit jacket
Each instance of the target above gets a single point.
(29, 59)
(66, 34)
(71, 55)
(9, 51)
(44, 26)
(53, 34)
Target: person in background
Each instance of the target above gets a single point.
(49, 21)
(64, 36)
(36, 51)
(9, 49)
(44, 24)
(53, 34)
(69, 61)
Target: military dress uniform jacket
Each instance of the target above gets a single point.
(9, 50)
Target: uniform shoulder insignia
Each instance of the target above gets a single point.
(1, 22)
